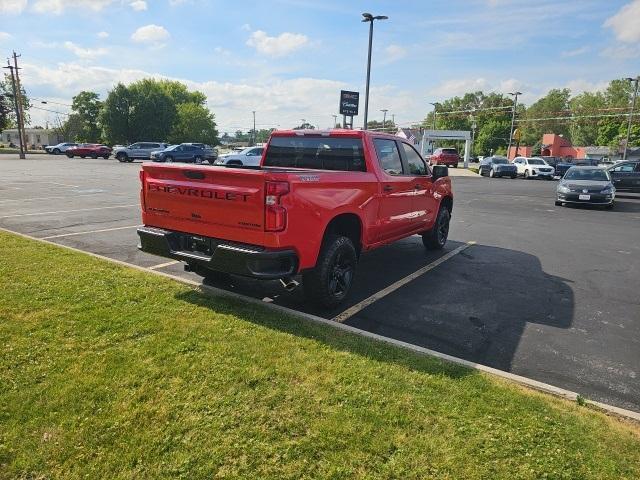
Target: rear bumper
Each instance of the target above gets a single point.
(219, 255)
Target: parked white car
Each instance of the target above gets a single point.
(59, 148)
(248, 157)
(534, 167)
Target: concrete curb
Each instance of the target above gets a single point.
(524, 381)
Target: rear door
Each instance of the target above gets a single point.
(423, 204)
(396, 215)
(211, 201)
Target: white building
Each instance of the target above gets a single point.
(37, 138)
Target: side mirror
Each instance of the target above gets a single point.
(439, 171)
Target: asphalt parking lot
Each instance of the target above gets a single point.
(550, 293)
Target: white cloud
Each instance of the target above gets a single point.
(393, 53)
(279, 46)
(103, 34)
(450, 88)
(626, 23)
(138, 5)
(12, 6)
(575, 52)
(580, 85)
(4, 36)
(173, 3)
(58, 6)
(222, 51)
(153, 34)
(85, 53)
(622, 52)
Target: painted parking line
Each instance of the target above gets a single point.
(70, 211)
(350, 312)
(162, 265)
(70, 197)
(62, 235)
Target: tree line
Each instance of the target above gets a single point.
(587, 119)
(160, 110)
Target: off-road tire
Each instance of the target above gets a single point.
(436, 238)
(329, 283)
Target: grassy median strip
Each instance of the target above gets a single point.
(108, 372)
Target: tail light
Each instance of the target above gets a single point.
(275, 214)
(142, 204)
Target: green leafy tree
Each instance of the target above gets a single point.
(86, 107)
(180, 94)
(389, 126)
(304, 126)
(69, 130)
(584, 131)
(553, 104)
(7, 106)
(492, 135)
(116, 115)
(194, 123)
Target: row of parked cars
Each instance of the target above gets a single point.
(580, 181)
(156, 151)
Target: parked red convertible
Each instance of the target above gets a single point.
(93, 150)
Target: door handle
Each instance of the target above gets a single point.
(388, 188)
(418, 187)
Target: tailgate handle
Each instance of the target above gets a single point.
(193, 174)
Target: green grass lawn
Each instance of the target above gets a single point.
(109, 372)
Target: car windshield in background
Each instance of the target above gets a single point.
(344, 154)
(586, 174)
(500, 161)
(536, 161)
(450, 150)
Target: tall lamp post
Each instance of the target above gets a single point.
(513, 118)
(435, 112)
(633, 107)
(335, 121)
(254, 127)
(369, 18)
(384, 118)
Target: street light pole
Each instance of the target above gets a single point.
(254, 127)
(435, 105)
(633, 107)
(369, 18)
(513, 118)
(384, 118)
(335, 120)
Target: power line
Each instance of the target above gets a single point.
(573, 117)
(52, 111)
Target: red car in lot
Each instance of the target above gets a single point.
(316, 202)
(445, 156)
(93, 150)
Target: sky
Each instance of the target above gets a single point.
(289, 59)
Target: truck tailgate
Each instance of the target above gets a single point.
(218, 202)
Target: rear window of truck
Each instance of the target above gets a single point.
(321, 153)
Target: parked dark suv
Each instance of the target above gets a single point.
(626, 175)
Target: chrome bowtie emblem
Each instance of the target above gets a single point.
(585, 190)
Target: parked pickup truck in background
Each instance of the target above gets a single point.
(318, 200)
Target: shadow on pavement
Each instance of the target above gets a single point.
(376, 270)
(475, 306)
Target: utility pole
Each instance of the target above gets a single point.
(513, 118)
(633, 107)
(393, 119)
(335, 121)
(254, 127)
(384, 118)
(20, 102)
(17, 109)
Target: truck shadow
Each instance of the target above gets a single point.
(478, 306)
(376, 270)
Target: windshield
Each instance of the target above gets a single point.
(596, 175)
(536, 161)
(500, 161)
(172, 147)
(450, 150)
(322, 153)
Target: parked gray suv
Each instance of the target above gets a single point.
(138, 151)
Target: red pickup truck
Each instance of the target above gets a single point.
(316, 202)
